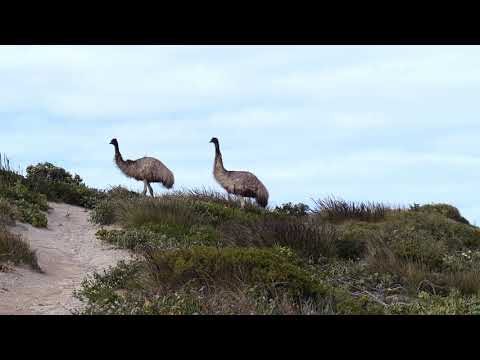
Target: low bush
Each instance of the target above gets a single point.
(197, 279)
(289, 209)
(162, 236)
(429, 304)
(24, 204)
(434, 227)
(446, 210)
(59, 185)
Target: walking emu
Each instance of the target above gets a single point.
(147, 169)
(241, 183)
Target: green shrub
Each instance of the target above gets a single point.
(354, 237)
(227, 266)
(428, 304)
(349, 248)
(160, 236)
(21, 194)
(32, 214)
(434, 227)
(132, 239)
(419, 246)
(202, 279)
(290, 209)
(462, 261)
(270, 270)
(448, 211)
(59, 185)
(24, 205)
(52, 173)
(99, 291)
(18, 201)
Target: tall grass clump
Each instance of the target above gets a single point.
(106, 210)
(210, 196)
(15, 250)
(312, 241)
(7, 175)
(182, 208)
(339, 210)
(162, 210)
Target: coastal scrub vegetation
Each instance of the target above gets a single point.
(199, 251)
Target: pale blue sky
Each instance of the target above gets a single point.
(384, 123)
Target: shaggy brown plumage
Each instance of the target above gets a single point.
(241, 183)
(147, 169)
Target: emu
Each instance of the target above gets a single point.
(240, 183)
(147, 169)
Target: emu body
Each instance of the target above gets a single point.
(147, 169)
(240, 183)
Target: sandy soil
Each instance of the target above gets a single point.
(67, 252)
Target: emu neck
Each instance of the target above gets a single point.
(118, 156)
(218, 160)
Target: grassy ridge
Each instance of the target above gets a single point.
(200, 252)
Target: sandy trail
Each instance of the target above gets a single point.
(67, 252)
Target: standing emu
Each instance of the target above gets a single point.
(241, 183)
(146, 169)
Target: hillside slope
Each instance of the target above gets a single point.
(200, 252)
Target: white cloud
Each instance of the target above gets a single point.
(113, 81)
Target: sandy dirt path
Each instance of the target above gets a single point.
(67, 252)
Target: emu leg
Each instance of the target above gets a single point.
(150, 189)
(145, 187)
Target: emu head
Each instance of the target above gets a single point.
(114, 142)
(214, 141)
